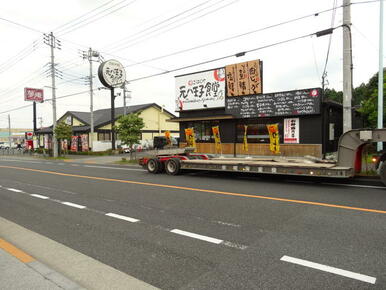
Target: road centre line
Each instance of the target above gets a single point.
(39, 196)
(329, 269)
(73, 204)
(122, 217)
(197, 236)
(14, 189)
(200, 190)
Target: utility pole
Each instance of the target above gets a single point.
(347, 67)
(89, 55)
(9, 131)
(41, 122)
(51, 41)
(380, 74)
(126, 94)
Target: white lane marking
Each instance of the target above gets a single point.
(73, 204)
(116, 168)
(24, 161)
(197, 236)
(39, 196)
(330, 269)
(77, 165)
(122, 217)
(14, 189)
(355, 185)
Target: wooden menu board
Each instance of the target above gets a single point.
(254, 77)
(231, 80)
(244, 78)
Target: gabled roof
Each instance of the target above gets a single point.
(103, 117)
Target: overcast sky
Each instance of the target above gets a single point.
(133, 31)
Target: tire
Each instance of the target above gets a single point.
(153, 165)
(173, 166)
(382, 172)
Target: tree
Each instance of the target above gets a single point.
(129, 129)
(369, 101)
(365, 97)
(63, 131)
(333, 95)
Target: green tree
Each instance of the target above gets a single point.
(333, 95)
(129, 129)
(368, 96)
(365, 97)
(63, 132)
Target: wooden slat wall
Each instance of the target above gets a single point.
(262, 149)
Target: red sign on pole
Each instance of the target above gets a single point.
(34, 95)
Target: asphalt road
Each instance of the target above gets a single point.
(205, 231)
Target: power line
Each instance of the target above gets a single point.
(244, 34)
(159, 23)
(324, 75)
(78, 27)
(139, 40)
(21, 25)
(79, 17)
(227, 56)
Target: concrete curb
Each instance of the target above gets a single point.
(48, 273)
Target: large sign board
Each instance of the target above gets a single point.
(33, 95)
(112, 74)
(244, 78)
(203, 90)
(289, 103)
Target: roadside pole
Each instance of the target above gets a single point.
(9, 131)
(380, 74)
(51, 41)
(347, 67)
(112, 119)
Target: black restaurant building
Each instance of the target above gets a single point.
(308, 124)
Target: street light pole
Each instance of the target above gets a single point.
(347, 67)
(380, 74)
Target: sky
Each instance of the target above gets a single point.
(142, 33)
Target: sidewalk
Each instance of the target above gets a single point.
(46, 258)
(18, 270)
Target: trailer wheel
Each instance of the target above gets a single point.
(382, 173)
(173, 166)
(153, 165)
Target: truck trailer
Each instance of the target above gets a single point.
(347, 164)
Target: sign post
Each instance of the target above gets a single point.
(112, 75)
(34, 95)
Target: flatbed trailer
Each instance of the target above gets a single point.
(174, 161)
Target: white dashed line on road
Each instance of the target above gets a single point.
(197, 236)
(122, 217)
(73, 204)
(116, 168)
(355, 185)
(39, 196)
(14, 189)
(329, 269)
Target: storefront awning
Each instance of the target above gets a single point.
(221, 117)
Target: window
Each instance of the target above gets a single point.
(203, 130)
(257, 131)
(104, 136)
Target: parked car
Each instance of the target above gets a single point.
(4, 145)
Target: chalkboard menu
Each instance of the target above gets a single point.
(290, 103)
